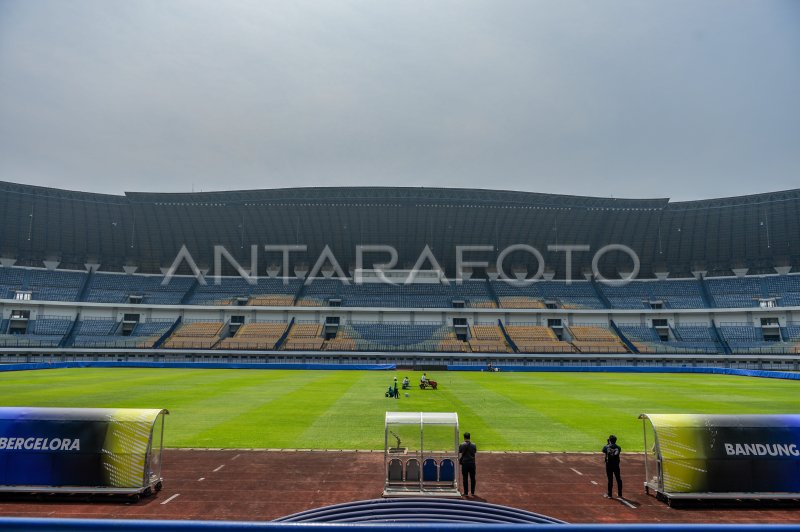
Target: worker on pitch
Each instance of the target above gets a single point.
(393, 391)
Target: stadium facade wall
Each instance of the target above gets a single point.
(548, 317)
(624, 319)
(676, 317)
(767, 374)
(415, 360)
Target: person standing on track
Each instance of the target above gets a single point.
(466, 457)
(612, 451)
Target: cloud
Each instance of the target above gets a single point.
(675, 99)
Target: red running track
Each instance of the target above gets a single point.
(263, 485)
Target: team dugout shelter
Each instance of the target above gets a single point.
(421, 452)
(114, 451)
(698, 456)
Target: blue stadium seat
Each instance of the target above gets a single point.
(430, 472)
(447, 470)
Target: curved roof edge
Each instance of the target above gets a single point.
(327, 194)
(58, 193)
(310, 194)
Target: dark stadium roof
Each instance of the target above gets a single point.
(147, 229)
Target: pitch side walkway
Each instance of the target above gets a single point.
(263, 485)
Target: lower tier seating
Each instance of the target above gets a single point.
(195, 335)
(537, 339)
(254, 336)
(596, 339)
(488, 339)
(304, 337)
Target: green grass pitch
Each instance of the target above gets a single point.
(345, 409)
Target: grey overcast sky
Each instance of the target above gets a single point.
(682, 99)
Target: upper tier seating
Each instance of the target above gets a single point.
(418, 295)
(105, 287)
(12, 276)
(55, 285)
(679, 293)
(45, 285)
(118, 288)
(319, 291)
(784, 288)
(271, 300)
(266, 291)
(577, 294)
(223, 291)
(735, 292)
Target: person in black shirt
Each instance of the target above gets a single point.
(612, 451)
(466, 457)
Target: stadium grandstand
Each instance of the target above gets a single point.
(288, 275)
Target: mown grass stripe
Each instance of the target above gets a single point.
(345, 409)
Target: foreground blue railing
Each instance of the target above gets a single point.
(768, 374)
(25, 366)
(12, 524)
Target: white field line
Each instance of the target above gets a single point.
(220, 467)
(593, 482)
(171, 498)
(201, 479)
(626, 503)
(578, 472)
(235, 457)
(558, 460)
